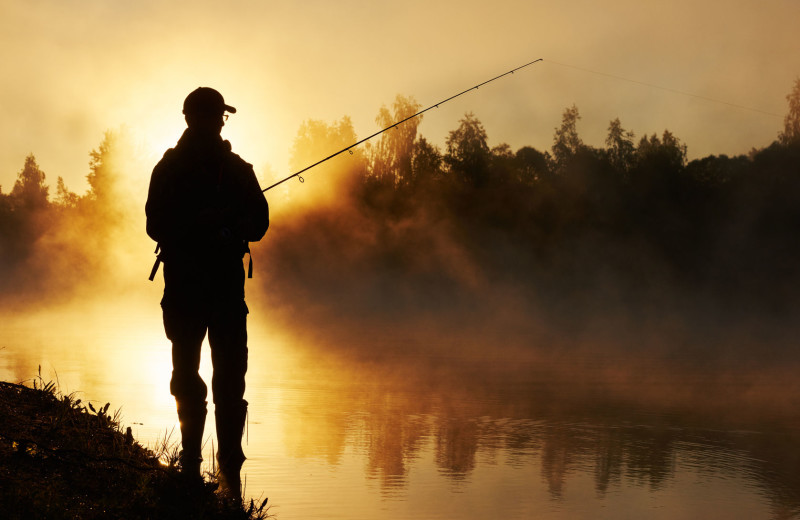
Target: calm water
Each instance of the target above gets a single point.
(331, 438)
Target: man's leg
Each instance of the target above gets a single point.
(186, 330)
(227, 334)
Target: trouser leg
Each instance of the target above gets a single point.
(230, 422)
(186, 330)
(228, 338)
(193, 420)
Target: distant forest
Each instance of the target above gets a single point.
(410, 225)
(52, 245)
(563, 235)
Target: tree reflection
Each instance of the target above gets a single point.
(609, 458)
(398, 428)
(456, 445)
(394, 442)
(557, 456)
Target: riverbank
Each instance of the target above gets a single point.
(64, 459)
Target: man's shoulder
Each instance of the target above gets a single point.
(170, 157)
(174, 162)
(239, 165)
(234, 158)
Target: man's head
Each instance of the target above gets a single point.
(205, 109)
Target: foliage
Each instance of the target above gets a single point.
(30, 192)
(566, 142)
(390, 159)
(791, 123)
(24, 215)
(561, 221)
(106, 164)
(621, 150)
(468, 154)
(316, 140)
(426, 161)
(573, 226)
(40, 238)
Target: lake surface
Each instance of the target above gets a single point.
(415, 435)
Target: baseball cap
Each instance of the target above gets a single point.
(206, 100)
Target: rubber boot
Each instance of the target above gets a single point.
(193, 420)
(230, 428)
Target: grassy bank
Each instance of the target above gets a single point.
(61, 458)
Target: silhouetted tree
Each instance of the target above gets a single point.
(620, 147)
(503, 152)
(7, 231)
(24, 216)
(316, 140)
(566, 142)
(312, 135)
(659, 160)
(426, 161)
(65, 198)
(716, 171)
(502, 164)
(390, 159)
(30, 192)
(791, 123)
(106, 166)
(468, 155)
(531, 164)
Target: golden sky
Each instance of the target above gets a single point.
(75, 68)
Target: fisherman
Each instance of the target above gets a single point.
(203, 208)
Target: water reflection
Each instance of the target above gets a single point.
(372, 439)
(462, 434)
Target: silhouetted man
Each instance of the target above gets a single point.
(203, 207)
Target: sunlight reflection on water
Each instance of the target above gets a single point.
(327, 442)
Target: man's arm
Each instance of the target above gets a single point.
(156, 207)
(169, 220)
(254, 218)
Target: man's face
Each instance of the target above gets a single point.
(207, 122)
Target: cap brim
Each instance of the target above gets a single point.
(230, 109)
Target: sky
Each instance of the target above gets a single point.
(74, 69)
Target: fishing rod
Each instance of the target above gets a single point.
(394, 125)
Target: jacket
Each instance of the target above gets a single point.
(203, 206)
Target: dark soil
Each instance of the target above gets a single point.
(62, 459)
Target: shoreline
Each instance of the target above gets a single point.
(61, 458)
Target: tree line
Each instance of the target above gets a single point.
(57, 241)
(634, 214)
(570, 227)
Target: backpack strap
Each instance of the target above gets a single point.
(157, 263)
(250, 255)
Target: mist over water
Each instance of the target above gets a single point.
(386, 279)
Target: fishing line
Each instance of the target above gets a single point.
(668, 89)
(394, 125)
